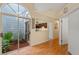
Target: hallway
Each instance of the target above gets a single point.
(38, 26)
(46, 48)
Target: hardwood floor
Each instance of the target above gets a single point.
(48, 48)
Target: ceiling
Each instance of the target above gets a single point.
(49, 9)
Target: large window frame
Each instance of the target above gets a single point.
(15, 15)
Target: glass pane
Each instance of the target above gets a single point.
(7, 9)
(14, 7)
(10, 33)
(23, 14)
(22, 10)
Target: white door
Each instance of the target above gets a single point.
(63, 33)
(50, 30)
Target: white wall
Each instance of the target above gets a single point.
(73, 47)
(38, 37)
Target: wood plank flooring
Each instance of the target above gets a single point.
(48, 48)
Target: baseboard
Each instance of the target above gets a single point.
(69, 53)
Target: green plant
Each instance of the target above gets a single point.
(7, 37)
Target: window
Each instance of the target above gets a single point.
(10, 14)
(14, 17)
(15, 9)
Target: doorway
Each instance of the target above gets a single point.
(50, 30)
(63, 31)
(24, 33)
